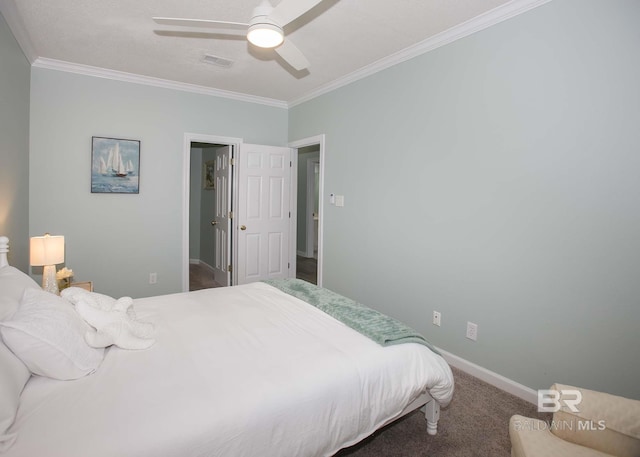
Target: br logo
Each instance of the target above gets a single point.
(550, 401)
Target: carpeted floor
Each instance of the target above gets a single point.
(475, 424)
(201, 277)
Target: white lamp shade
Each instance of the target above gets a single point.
(46, 250)
(265, 35)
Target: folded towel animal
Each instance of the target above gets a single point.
(115, 321)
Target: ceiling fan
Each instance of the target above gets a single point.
(265, 29)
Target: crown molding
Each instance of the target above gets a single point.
(87, 70)
(492, 17)
(495, 16)
(14, 21)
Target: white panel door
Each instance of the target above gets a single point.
(221, 221)
(263, 206)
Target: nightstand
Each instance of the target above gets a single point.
(87, 285)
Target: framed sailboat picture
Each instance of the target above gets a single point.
(115, 166)
(207, 175)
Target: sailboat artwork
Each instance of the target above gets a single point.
(115, 165)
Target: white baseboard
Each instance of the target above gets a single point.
(206, 265)
(488, 376)
(201, 263)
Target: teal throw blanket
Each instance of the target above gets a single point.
(379, 327)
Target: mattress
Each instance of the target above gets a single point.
(238, 371)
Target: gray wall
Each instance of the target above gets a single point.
(14, 147)
(496, 180)
(117, 240)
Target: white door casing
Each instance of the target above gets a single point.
(221, 221)
(263, 223)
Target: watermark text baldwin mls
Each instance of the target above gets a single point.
(570, 425)
(551, 401)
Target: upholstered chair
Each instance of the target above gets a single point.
(599, 425)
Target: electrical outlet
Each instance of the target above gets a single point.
(472, 331)
(153, 278)
(436, 318)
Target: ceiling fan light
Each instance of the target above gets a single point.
(265, 35)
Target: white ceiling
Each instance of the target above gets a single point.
(342, 39)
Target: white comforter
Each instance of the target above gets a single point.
(240, 371)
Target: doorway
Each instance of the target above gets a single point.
(195, 169)
(309, 160)
(209, 210)
(308, 213)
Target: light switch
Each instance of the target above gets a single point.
(339, 200)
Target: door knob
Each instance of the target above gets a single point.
(243, 227)
(214, 222)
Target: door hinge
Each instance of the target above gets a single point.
(290, 164)
(230, 268)
(230, 214)
(232, 161)
(288, 265)
(289, 214)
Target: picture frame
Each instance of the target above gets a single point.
(115, 166)
(208, 182)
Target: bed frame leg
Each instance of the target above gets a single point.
(4, 249)
(432, 414)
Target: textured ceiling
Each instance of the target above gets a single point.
(338, 37)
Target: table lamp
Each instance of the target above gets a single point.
(47, 251)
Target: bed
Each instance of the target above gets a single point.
(248, 370)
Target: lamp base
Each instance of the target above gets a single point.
(49, 282)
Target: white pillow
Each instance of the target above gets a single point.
(47, 334)
(13, 376)
(13, 282)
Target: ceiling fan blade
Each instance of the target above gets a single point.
(289, 10)
(183, 22)
(191, 32)
(293, 56)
